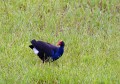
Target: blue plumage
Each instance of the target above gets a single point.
(47, 51)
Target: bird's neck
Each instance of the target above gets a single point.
(61, 49)
(58, 53)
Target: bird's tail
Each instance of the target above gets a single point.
(31, 46)
(34, 43)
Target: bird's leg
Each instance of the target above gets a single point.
(49, 62)
(43, 61)
(43, 58)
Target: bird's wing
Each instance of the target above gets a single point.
(55, 48)
(48, 49)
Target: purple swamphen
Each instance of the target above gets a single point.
(47, 51)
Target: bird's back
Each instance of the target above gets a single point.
(44, 47)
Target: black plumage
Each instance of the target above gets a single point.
(47, 51)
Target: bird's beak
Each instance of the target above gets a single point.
(59, 43)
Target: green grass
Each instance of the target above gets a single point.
(89, 28)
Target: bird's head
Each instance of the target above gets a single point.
(60, 43)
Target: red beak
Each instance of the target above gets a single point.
(59, 43)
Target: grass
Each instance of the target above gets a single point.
(90, 30)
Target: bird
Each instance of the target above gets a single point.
(46, 51)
